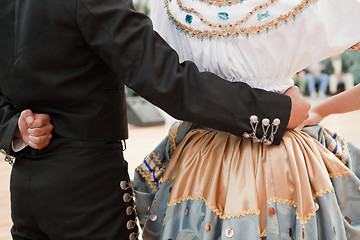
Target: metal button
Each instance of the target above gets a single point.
(208, 227)
(254, 118)
(229, 232)
(130, 224)
(133, 236)
(271, 212)
(123, 185)
(148, 208)
(316, 206)
(129, 210)
(153, 217)
(303, 232)
(348, 220)
(265, 122)
(276, 122)
(246, 135)
(127, 197)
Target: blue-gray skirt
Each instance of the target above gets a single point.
(202, 184)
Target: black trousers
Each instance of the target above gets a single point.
(71, 190)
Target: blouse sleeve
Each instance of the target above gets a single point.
(334, 27)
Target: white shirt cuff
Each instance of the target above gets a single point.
(18, 145)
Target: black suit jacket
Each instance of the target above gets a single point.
(71, 59)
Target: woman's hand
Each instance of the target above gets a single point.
(314, 118)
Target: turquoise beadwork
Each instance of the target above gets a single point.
(188, 19)
(223, 15)
(263, 16)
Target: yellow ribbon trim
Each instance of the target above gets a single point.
(173, 135)
(148, 178)
(218, 212)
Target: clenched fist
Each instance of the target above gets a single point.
(34, 129)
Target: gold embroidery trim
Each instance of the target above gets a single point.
(167, 179)
(216, 210)
(348, 173)
(156, 158)
(236, 32)
(173, 135)
(285, 201)
(147, 174)
(148, 178)
(323, 192)
(302, 220)
(220, 3)
(355, 47)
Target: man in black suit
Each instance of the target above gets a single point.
(63, 66)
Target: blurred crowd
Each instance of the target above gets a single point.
(331, 76)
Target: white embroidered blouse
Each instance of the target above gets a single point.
(260, 42)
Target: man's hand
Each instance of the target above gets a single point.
(34, 129)
(299, 109)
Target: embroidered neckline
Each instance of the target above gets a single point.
(231, 30)
(221, 3)
(224, 15)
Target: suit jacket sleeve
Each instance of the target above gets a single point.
(124, 39)
(8, 123)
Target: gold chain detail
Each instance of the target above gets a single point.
(220, 3)
(236, 32)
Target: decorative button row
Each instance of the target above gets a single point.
(265, 124)
(127, 197)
